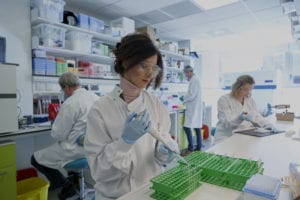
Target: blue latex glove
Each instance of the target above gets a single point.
(270, 127)
(269, 109)
(80, 140)
(135, 127)
(164, 156)
(181, 98)
(246, 116)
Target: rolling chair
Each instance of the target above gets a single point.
(77, 168)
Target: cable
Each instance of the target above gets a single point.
(19, 96)
(19, 112)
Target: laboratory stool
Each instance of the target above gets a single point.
(77, 167)
(213, 131)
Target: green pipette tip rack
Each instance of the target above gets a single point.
(178, 182)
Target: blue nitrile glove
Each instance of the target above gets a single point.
(246, 116)
(164, 155)
(270, 127)
(80, 140)
(135, 127)
(181, 98)
(269, 109)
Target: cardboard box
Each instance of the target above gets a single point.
(285, 116)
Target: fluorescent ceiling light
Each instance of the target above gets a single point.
(210, 4)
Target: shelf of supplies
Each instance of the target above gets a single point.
(101, 36)
(173, 68)
(46, 93)
(75, 54)
(81, 77)
(165, 82)
(175, 55)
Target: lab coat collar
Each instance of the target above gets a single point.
(137, 105)
(79, 90)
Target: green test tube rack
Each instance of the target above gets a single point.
(178, 182)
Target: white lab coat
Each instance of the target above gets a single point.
(117, 167)
(193, 101)
(229, 110)
(69, 124)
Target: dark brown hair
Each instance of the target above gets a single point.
(240, 82)
(132, 50)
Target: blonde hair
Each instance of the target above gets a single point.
(240, 82)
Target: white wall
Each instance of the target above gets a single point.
(15, 26)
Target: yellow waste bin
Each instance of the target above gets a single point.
(32, 189)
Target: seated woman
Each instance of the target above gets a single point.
(122, 155)
(238, 109)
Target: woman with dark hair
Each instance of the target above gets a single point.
(238, 109)
(122, 155)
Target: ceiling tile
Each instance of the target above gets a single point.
(153, 17)
(256, 5)
(181, 9)
(138, 7)
(90, 5)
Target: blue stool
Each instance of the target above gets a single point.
(78, 166)
(213, 131)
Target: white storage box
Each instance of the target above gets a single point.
(49, 35)
(48, 9)
(128, 25)
(78, 41)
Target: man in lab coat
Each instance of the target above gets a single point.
(68, 126)
(193, 112)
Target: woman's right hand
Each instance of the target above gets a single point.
(136, 126)
(245, 116)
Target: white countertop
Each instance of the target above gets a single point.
(276, 151)
(27, 132)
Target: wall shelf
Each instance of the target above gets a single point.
(101, 36)
(81, 77)
(75, 54)
(175, 55)
(174, 69)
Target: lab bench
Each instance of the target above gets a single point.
(27, 141)
(276, 152)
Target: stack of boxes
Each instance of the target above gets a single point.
(96, 25)
(61, 66)
(96, 70)
(99, 48)
(48, 35)
(50, 66)
(90, 23)
(48, 9)
(79, 41)
(122, 26)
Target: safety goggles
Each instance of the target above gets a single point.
(153, 69)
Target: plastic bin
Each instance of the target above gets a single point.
(50, 66)
(96, 25)
(48, 9)
(83, 21)
(128, 25)
(49, 35)
(39, 66)
(78, 41)
(32, 189)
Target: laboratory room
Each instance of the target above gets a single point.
(150, 100)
